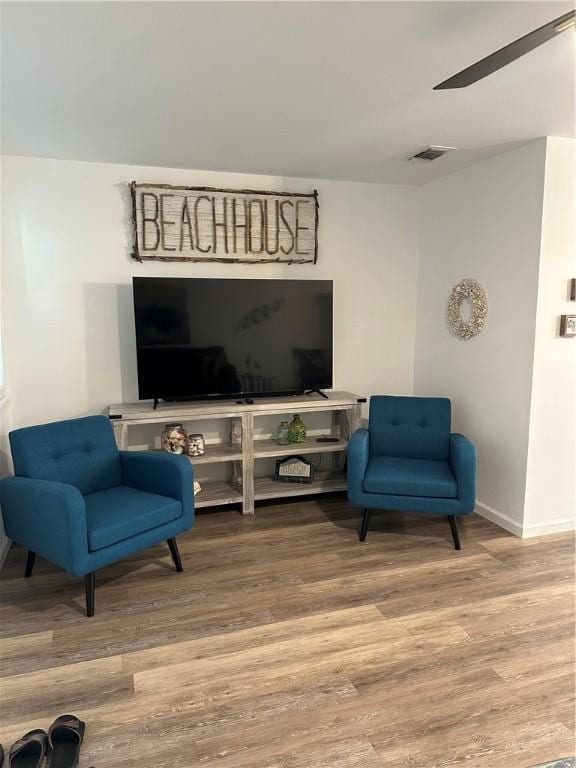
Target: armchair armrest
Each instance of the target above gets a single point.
(160, 472)
(358, 456)
(47, 517)
(463, 461)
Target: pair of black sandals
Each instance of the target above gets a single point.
(59, 748)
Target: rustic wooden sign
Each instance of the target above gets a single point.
(174, 223)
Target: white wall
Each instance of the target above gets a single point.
(4, 428)
(484, 222)
(5, 465)
(67, 314)
(69, 333)
(551, 478)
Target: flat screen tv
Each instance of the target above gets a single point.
(204, 337)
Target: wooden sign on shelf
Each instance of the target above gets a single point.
(294, 469)
(175, 223)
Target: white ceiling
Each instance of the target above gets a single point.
(338, 90)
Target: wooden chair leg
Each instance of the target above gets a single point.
(175, 554)
(89, 586)
(454, 529)
(365, 523)
(30, 560)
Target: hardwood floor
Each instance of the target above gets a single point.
(288, 644)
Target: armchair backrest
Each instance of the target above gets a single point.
(81, 452)
(410, 427)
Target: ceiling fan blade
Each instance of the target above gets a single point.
(507, 54)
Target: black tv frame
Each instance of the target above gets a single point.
(242, 397)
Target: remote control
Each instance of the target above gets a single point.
(326, 439)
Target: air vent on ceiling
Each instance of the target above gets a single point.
(431, 153)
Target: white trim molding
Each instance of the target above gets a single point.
(554, 526)
(524, 531)
(499, 518)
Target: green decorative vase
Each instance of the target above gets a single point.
(297, 430)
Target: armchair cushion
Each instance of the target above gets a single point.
(161, 473)
(410, 427)
(410, 477)
(122, 512)
(79, 452)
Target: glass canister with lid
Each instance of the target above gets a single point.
(282, 434)
(196, 445)
(174, 438)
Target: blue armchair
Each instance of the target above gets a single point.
(408, 461)
(79, 502)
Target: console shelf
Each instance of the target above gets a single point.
(218, 452)
(215, 493)
(264, 449)
(245, 488)
(324, 482)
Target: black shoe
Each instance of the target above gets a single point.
(65, 736)
(29, 751)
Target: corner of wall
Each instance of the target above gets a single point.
(5, 468)
(550, 498)
(485, 221)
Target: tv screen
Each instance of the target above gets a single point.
(199, 337)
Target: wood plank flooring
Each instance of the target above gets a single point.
(288, 644)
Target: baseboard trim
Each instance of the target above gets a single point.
(524, 531)
(556, 526)
(499, 518)
(4, 547)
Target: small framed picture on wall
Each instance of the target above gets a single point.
(567, 325)
(573, 289)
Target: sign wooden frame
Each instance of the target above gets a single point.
(294, 469)
(180, 223)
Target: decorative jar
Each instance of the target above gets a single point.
(297, 430)
(174, 438)
(282, 434)
(236, 433)
(196, 445)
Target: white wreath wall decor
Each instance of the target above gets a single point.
(468, 288)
